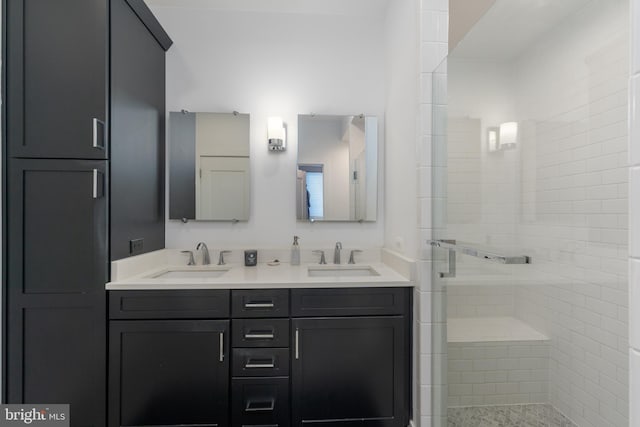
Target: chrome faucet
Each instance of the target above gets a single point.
(336, 253)
(351, 257)
(192, 261)
(322, 259)
(221, 257)
(205, 253)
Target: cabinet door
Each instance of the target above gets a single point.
(57, 268)
(57, 220)
(57, 86)
(348, 371)
(169, 373)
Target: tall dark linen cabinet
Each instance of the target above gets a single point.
(83, 184)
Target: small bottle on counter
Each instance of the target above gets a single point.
(295, 252)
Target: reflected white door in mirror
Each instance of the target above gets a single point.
(209, 176)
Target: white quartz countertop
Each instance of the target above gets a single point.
(260, 276)
(139, 272)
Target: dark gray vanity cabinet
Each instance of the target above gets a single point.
(330, 357)
(169, 358)
(351, 369)
(169, 373)
(260, 383)
(55, 339)
(137, 127)
(56, 56)
(58, 164)
(347, 370)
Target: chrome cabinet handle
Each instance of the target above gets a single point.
(222, 346)
(297, 344)
(259, 335)
(259, 305)
(96, 123)
(95, 184)
(258, 364)
(260, 406)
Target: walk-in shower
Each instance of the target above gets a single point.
(530, 218)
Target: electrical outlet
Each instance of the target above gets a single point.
(136, 246)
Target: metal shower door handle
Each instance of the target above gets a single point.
(488, 255)
(451, 257)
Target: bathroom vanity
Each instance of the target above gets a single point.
(260, 346)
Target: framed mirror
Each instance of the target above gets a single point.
(209, 176)
(337, 173)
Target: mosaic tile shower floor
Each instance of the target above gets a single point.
(538, 415)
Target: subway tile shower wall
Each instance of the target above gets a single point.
(634, 216)
(430, 323)
(481, 301)
(498, 373)
(574, 204)
(560, 196)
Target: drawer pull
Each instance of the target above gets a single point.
(260, 405)
(222, 346)
(251, 305)
(260, 363)
(259, 335)
(97, 134)
(95, 184)
(297, 343)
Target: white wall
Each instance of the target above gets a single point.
(402, 89)
(269, 64)
(402, 207)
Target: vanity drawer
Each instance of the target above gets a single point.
(260, 362)
(349, 302)
(260, 402)
(260, 303)
(170, 304)
(260, 333)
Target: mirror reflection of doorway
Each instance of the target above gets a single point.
(310, 190)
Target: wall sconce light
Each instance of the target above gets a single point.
(508, 135)
(276, 134)
(493, 139)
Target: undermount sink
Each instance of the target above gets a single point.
(342, 271)
(191, 274)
